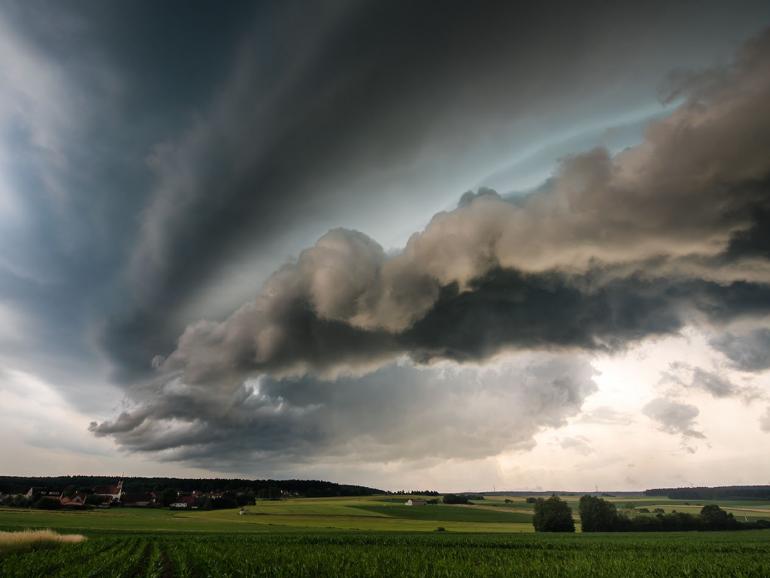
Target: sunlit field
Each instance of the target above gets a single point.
(375, 536)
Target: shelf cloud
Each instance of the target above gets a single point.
(610, 251)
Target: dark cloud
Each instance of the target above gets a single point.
(320, 97)
(204, 404)
(674, 417)
(749, 351)
(687, 377)
(611, 251)
(508, 309)
(712, 382)
(293, 330)
(601, 258)
(400, 412)
(717, 385)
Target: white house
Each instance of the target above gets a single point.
(412, 502)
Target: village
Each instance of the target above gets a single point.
(72, 493)
(115, 495)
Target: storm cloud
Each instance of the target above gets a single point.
(600, 258)
(399, 412)
(262, 237)
(315, 121)
(610, 251)
(747, 351)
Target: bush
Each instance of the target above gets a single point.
(598, 515)
(715, 518)
(552, 515)
(15, 501)
(168, 497)
(455, 499)
(46, 503)
(222, 503)
(247, 499)
(94, 500)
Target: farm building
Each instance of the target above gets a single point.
(412, 502)
(34, 493)
(189, 500)
(110, 493)
(77, 500)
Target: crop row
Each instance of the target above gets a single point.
(372, 555)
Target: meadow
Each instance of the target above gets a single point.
(371, 537)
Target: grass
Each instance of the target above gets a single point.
(373, 536)
(317, 514)
(29, 539)
(441, 513)
(749, 509)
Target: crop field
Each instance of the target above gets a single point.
(366, 537)
(438, 554)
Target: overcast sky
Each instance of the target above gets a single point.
(455, 246)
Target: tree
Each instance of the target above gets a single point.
(598, 515)
(715, 518)
(270, 493)
(168, 496)
(553, 515)
(226, 500)
(20, 501)
(455, 499)
(245, 499)
(94, 500)
(48, 503)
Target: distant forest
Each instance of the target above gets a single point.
(307, 488)
(716, 493)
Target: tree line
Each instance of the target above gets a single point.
(306, 488)
(715, 493)
(599, 515)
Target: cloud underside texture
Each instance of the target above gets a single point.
(610, 251)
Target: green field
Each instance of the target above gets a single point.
(441, 513)
(372, 537)
(741, 509)
(318, 514)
